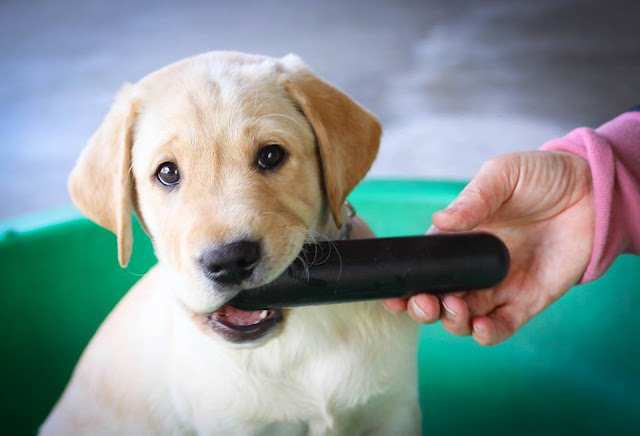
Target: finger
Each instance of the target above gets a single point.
(484, 331)
(483, 196)
(455, 316)
(424, 308)
(484, 301)
(395, 305)
(495, 327)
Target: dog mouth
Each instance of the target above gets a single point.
(242, 326)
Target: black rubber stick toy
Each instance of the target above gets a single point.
(368, 269)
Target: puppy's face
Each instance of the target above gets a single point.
(229, 179)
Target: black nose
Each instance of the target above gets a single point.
(231, 263)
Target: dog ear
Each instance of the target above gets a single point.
(348, 135)
(100, 184)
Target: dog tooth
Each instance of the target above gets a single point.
(264, 314)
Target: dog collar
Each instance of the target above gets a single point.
(345, 233)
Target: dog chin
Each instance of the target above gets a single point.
(241, 328)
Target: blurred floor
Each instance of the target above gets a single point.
(454, 82)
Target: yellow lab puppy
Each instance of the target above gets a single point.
(231, 162)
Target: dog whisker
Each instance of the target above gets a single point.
(305, 264)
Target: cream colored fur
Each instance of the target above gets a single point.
(154, 367)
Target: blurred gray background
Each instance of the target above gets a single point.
(454, 82)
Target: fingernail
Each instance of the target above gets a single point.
(477, 329)
(458, 203)
(447, 309)
(416, 309)
(433, 230)
(453, 207)
(395, 312)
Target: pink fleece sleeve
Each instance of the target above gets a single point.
(613, 152)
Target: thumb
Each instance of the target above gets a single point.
(483, 196)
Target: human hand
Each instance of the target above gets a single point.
(541, 205)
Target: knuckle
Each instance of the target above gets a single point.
(490, 165)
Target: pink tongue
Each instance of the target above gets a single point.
(238, 317)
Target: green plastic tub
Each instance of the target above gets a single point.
(575, 369)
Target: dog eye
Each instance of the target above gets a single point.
(270, 156)
(168, 174)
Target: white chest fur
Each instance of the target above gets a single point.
(321, 375)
